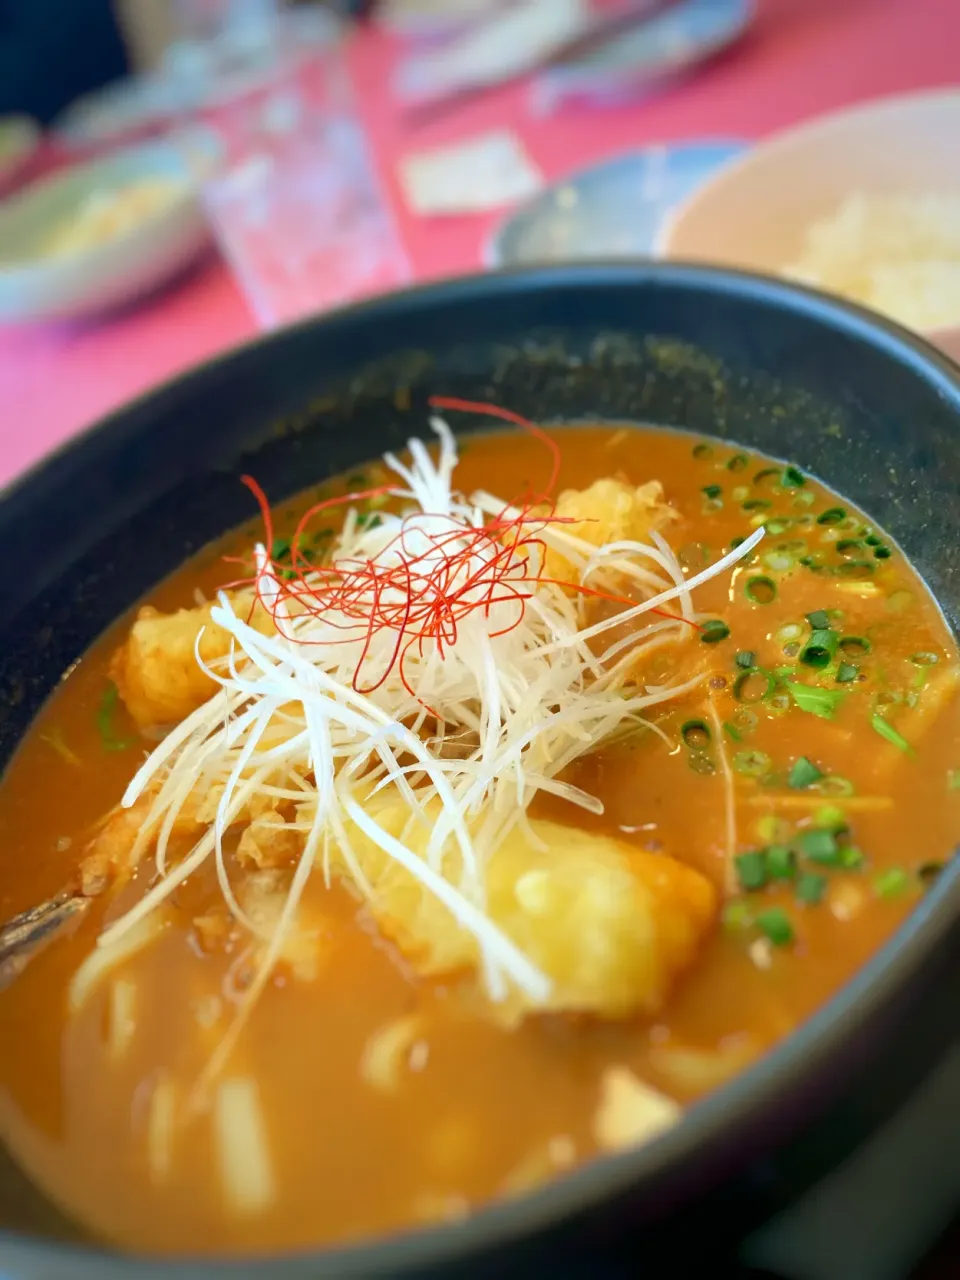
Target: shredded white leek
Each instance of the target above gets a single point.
(323, 711)
(242, 1150)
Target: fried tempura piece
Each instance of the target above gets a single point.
(611, 926)
(609, 510)
(108, 856)
(156, 669)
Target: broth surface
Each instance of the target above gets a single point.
(489, 1110)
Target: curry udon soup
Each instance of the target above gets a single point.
(487, 817)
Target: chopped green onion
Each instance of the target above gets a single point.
(803, 774)
(953, 779)
(736, 916)
(789, 631)
(751, 870)
(819, 702)
(775, 925)
(851, 857)
(109, 738)
(833, 785)
(886, 730)
(713, 631)
(924, 659)
(792, 478)
(745, 719)
(779, 561)
(702, 451)
(711, 490)
(768, 473)
(736, 542)
(280, 549)
(846, 672)
(753, 686)
(746, 658)
(849, 545)
(701, 763)
(856, 569)
(820, 846)
(760, 590)
(732, 731)
(831, 817)
(819, 620)
(738, 462)
(773, 830)
(898, 601)
(882, 553)
(820, 648)
(811, 887)
(890, 884)
(752, 764)
(779, 524)
(805, 499)
(695, 734)
(832, 516)
(781, 863)
(854, 646)
(756, 504)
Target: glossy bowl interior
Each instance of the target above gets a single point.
(864, 406)
(755, 212)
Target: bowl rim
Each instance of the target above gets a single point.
(804, 1054)
(184, 198)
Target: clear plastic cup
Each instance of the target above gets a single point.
(292, 193)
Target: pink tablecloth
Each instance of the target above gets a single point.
(803, 57)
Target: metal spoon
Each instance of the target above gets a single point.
(28, 933)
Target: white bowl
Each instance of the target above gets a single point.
(754, 213)
(34, 286)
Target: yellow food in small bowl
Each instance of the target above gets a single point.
(105, 215)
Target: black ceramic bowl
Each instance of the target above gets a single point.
(857, 402)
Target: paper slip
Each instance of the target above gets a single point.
(484, 172)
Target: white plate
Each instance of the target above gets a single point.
(610, 210)
(34, 287)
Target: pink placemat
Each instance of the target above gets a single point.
(803, 57)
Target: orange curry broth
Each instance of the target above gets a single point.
(349, 1161)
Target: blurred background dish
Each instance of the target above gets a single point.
(19, 139)
(431, 19)
(98, 235)
(611, 210)
(864, 203)
(668, 44)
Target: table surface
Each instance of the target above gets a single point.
(801, 58)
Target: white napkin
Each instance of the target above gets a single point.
(484, 172)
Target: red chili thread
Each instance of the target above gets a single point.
(506, 415)
(417, 597)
